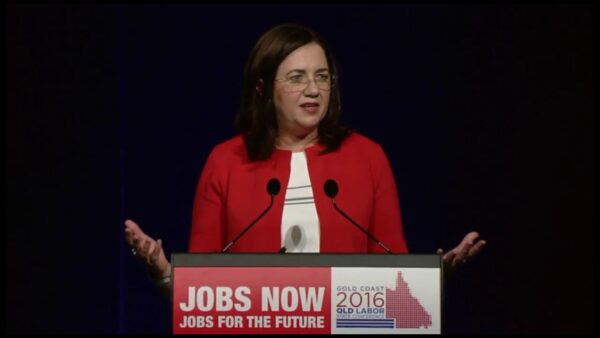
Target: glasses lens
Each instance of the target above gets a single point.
(326, 85)
(298, 84)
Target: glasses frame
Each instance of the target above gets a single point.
(313, 79)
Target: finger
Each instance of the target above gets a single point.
(146, 250)
(465, 246)
(135, 243)
(458, 260)
(476, 248)
(129, 224)
(449, 257)
(470, 238)
(472, 235)
(461, 256)
(134, 228)
(156, 252)
(142, 239)
(461, 253)
(137, 247)
(151, 249)
(464, 250)
(440, 251)
(129, 236)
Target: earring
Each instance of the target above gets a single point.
(260, 87)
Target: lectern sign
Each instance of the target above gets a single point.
(385, 300)
(252, 300)
(306, 299)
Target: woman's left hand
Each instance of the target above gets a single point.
(469, 247)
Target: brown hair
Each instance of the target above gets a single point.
(256, 120)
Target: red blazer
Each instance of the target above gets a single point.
(232, 192)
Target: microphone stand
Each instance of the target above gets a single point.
(387, 250)
(249, 225)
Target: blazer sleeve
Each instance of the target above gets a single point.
(386, 222)
(208, 215)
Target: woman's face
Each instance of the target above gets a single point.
(300, 106)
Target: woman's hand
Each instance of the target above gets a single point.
(469, 247)
(147, 249)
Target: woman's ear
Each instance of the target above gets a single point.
(260, 87)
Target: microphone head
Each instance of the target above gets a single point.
(273, 186)
(331, 188)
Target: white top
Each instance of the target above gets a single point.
(300, 230)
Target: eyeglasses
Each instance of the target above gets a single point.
(299, 82)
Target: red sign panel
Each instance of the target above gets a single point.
(233, 300)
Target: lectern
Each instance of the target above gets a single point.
(308, 293)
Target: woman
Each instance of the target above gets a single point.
(289, 130)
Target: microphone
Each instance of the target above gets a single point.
(273, 188)
(331, 190)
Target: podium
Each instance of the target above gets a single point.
(306, 293)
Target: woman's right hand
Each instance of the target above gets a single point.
(147, 249)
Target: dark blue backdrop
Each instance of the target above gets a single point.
(485, 112)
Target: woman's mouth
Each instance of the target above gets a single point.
(310, 107)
